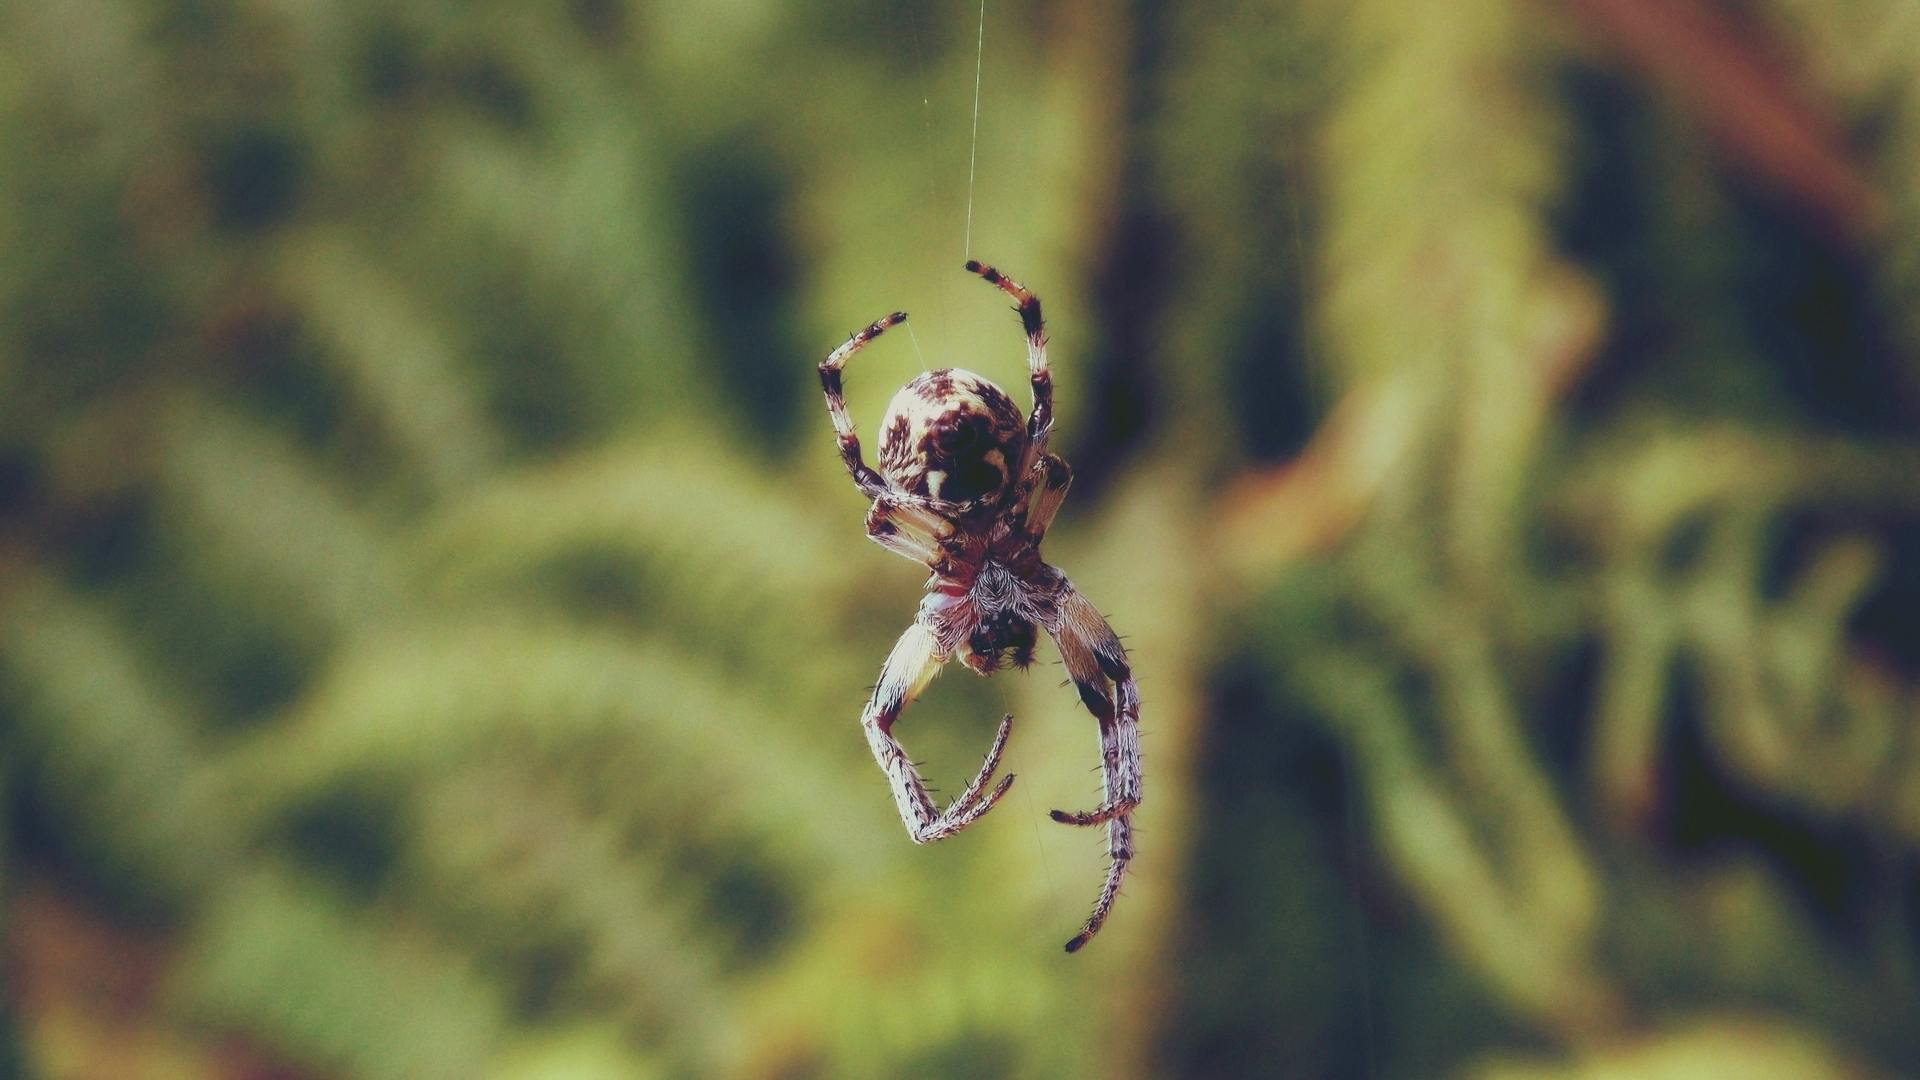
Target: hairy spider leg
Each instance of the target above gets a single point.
(868, 481)
(914, 661)
(914, 532)
(1054, 477)
(1094, 657)
(1040, 420)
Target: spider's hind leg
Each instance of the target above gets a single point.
(1051, 478)
(1040, 421)
(869, 482)
(915, 532)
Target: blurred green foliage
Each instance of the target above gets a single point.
(433, 618)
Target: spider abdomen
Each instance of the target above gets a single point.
(952, 436)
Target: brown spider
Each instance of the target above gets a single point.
(966, 486)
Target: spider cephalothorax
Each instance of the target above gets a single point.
(1003, 632)
(967, 487)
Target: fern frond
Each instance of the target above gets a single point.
(396, 355)
(722, 549)
(275, 956)
(112, 751)
(560, 883)
(257, 517)
(402, 706)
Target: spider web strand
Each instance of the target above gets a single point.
(915, 338)
(973, 153)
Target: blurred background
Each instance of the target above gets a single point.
(434, 618)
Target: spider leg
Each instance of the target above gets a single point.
(912, 531)
(914, 661)
(1053, 477)
(1040, 420)
(1094, 656)
(1120, 853)
(869, 482)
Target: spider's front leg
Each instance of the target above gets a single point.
(1094, 657)
(915, 659)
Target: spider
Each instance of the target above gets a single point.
(967, 488)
